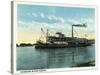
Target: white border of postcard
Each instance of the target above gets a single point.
(14, 71)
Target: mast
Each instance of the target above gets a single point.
(47, 36)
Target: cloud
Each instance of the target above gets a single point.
(56, 18)
(52, 17)
(61, 19)
(48, 17)
(60, 23)
(32, 24)
(42, 15)
(73, 21)
(88, 20)
(34, 14)
(22, 24)
(34, 27)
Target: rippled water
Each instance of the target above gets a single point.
(30, 58)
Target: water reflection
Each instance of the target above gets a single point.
(66, 57)
(31, 58)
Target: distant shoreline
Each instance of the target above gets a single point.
(24, 45)
(90, 63)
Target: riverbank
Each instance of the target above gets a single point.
(87, 64)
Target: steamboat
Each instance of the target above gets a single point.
(59, 40)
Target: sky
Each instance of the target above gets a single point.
(31, 18)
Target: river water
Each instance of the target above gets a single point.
(29, 58)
